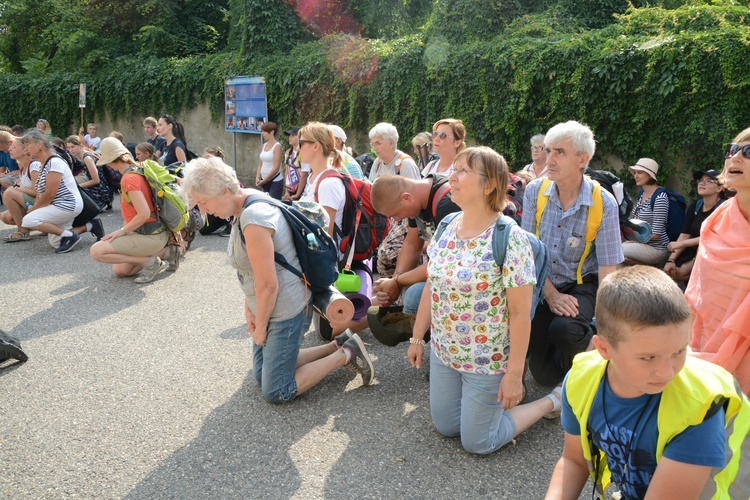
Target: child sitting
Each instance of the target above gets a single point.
(639, 412)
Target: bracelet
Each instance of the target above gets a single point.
(395, 278)
(416, 341)
(671, 260)
(123, 230)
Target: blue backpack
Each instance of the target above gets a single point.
(500, 243)
(315, 248)
(676, 216)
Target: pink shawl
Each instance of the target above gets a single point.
(719, 292)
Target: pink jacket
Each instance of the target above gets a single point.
(719, 292)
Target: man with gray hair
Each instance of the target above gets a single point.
(560, 209)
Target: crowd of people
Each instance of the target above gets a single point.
(642, 373)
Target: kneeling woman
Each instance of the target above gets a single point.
(277, 303)
(479, 315)
(140, 244)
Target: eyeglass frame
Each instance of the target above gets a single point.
(733, 149)
(707, 181)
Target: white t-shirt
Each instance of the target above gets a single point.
(331, 194)
(92, 142)
(431, 168)
(267, 157)
(68, 197)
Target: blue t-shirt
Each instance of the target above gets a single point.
(159, 144)
(703, 444)
(8, 162)
(169, 156)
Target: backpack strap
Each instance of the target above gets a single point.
(658, 191)
(443, 224)
(277, 257)
(596, 213)
(541, 203)
(500, 238)
(440, 193)
(699, 205)
(401, 158)
(329, 172)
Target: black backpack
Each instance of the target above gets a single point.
(315, 248)
(365, 163)
(608, 181)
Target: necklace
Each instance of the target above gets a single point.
(633, 441)
(460, 237)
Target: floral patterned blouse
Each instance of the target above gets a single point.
(469, 307)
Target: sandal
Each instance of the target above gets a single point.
(17, 236)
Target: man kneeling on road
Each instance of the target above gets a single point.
(424, 202)
(570, 207)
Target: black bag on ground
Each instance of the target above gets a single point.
(90, 209)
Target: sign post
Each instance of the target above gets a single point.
(82, 99)
(245, 106)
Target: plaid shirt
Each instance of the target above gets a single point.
(564, 233)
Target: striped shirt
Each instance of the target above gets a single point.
(656, 217)
(564, 232)
(67, 198)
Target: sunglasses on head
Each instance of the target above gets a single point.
(732, 150)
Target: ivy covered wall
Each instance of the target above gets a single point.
(669, 83)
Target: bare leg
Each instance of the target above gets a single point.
(310, 374)
(123, 265)
(16, 207)
(311, 354)
(48, 228)
(527, 415)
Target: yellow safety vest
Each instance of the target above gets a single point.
(684, 402)
(596, 212)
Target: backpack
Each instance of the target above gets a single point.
(315, 248)
(514, 197)
(676, 214)
(76, 164)
(362, 228)
(614, 185)
(596, 213)
(365, 163)
(500, 244)
(293, 172)
(699, 205)
(170, 208)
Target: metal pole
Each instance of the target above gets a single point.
(234, 149)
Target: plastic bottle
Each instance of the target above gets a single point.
(28, 205)
(312, 243)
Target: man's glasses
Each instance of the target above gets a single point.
(537, 149)
(439, 135)
(707, 181)
(732, 150)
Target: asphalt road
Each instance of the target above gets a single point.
(146, 391)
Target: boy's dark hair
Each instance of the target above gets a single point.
(638, 296)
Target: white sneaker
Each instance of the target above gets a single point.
(148, 273)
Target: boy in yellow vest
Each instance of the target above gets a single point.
(641, 413)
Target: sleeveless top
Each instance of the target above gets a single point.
(267, 158)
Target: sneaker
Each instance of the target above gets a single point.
(67, 243)
(556, 397)
(172, 256)
(97, 228)
(360, 360)
(10, 347)
(227, 231)
(341, 338)
(148, 273)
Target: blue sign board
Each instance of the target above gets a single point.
(246, 107)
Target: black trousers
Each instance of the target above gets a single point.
(555, 340)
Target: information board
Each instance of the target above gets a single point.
(246, 108)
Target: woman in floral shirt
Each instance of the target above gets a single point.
(479, 315)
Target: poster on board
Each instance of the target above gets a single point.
(246, 107)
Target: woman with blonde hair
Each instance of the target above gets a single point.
(43, 126)
(719, 287)
(448, 139)
(140, 244)
(479, 315)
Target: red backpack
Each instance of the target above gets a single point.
(360, 224)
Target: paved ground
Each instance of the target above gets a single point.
(145, 391)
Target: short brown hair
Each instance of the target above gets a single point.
(269, 127)
(640, 297)
(459, 131)
(491, 166)
(149, 120)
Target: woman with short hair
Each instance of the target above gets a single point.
(277, 303)
(58, 202)
(448, 139)
(390, 160)
(538, 166)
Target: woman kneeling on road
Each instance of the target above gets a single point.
(277, 303)
(479, 314)
(140, 244)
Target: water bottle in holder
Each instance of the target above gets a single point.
(312, 243)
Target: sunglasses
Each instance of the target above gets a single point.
(305, 141)
(439, 135)
(732, 150)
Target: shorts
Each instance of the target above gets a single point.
(140, 245)
(51, 214)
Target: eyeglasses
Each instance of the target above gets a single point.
(732, 150)
(461, 172)
(439, 135)
(537, 149)
(376, 144)
(305, 141)
(707, 181)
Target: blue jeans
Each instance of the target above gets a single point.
(465, 404)
(412, 296)
(274, 364)
(274, 188)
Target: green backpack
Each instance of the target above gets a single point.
(170, 208)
